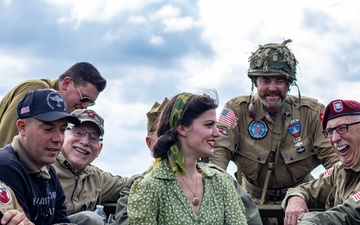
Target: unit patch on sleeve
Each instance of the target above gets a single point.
(228, 117)
(5, 196)
(328, 172)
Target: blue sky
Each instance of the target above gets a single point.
(151, 49)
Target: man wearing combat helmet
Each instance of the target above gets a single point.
(274, 138)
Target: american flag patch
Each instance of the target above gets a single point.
(24, 110)
(328, 172)
(228, 117)
(356, 196)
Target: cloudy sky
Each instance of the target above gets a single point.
(151, 49)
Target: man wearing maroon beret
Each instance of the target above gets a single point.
(341, 125)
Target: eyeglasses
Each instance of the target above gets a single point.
(85, 98)
(80, 133)
(341, 129)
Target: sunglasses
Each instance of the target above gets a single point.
(85, 98)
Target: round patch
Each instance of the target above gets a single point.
(5, 196)
(55, 100)
(257, 129)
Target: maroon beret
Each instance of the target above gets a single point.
(339, 107)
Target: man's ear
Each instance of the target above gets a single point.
(148, 142)
(100, 148)
(65, 83)
(21, 126)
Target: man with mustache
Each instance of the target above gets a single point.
(339, 186)
(85, 185)
(274, 138)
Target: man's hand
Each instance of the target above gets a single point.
(295, 207)
(15, 217)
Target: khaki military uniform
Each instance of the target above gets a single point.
(8, 107)
(343, 214)
(88, 188)
(248, 143)
(332, 187)
(7, 199)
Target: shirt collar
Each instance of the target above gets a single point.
(26, 162)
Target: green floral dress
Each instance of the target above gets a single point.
(159, 199)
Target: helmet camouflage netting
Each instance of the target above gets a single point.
(273, 60)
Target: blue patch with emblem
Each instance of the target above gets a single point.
(294, 128)
(257, 129)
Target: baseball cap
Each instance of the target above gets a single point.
(154, 114)
(88, 115)
(46, 105)
(339, 107)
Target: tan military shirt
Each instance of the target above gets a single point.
(346, 213)
(247, 142)
(8, 107)
(7, 199)
(88, 188)
(332, 187)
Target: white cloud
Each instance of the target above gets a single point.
(96, 10)
(137, 19)
(167, 11)
(156, 40)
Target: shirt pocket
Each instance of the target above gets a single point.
(301, 159)
(251, 157)
(91, 200)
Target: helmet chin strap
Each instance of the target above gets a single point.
(295, 84)
(251, 105)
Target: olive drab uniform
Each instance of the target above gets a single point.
(342, 214)
(332, 187)
(248, 143)
(9, 103)
(7, 199)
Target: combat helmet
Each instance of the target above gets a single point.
(273, 60)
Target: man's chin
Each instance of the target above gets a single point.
(272, 105)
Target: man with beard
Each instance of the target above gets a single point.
(274, 138)
(85, 185)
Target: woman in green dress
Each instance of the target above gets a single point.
(176, 189)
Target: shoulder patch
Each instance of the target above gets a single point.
(5, 195)
(228, 117)
(328, 172)
(356, 196)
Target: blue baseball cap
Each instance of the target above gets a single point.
(46, 105)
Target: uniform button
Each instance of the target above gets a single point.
(291, 158)
(258, 158)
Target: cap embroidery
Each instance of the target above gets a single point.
(24, 110)
(338, 107)
(56, 100)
